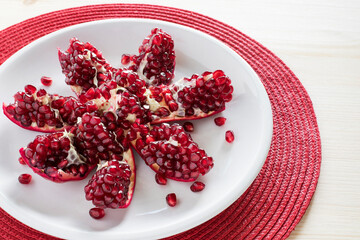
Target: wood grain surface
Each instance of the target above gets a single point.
(320, 41)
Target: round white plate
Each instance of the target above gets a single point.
(61, 209)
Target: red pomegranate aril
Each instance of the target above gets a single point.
(219, 121)
(171, 199)
(97, 213)
(160, 179)
(229, 136)
(188, 126)
(30, 89)
(25, 178)
(197, 186)
(46, 81)
(21, 161)
(125, 59)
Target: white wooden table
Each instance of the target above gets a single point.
(320, 41)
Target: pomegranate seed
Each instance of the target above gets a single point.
(160, 179)
(46, 81)
(171, 199)
(197, 186)
(125, 59)
(25, 178)
(30, 89)
(229, 136)
(41, 93)
(97, 213)
(219, 121)
(188, 126)
(21, 161)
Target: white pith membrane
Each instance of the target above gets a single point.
(140, 70)
(153, 104)
(142, 65)
(73, 157)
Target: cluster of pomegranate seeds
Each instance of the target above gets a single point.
(116, 109)
(133, 83)
(37, 110)
(197, 186)
(46, 81)
(97, 213)
(208, 92)
(188, 126)
(130, 109)
(95, 142)
(109, 187)
(29, 109)
(24, 178)
(156, 59)
(84, 66)
(170, 151)
(219, 121)
(54, 157)
(171, 199)
(229, 136)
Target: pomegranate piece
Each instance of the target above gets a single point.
(97, 213)
(171, 199)
(54, 157)
(94, 141)
(21, 161)
(170, 151)
(160, 179)
(197, 186)
(46, 81)
(112, 185)
(219, 121)
(188, 126)
(25, 178)
(229, 136)
(39, 111)
(192, 98)
(84, 66)
(156, 59)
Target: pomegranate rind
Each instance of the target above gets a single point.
(129, 158)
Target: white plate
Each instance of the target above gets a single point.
(61, 209)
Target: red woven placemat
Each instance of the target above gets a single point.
(277, 199)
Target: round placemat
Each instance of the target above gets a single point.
(279, 196)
